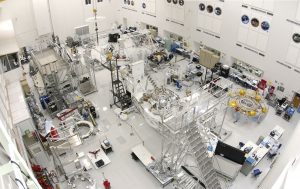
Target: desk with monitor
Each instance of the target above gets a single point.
(256, 153)
(140, 153)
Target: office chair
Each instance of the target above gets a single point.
(289, 113)
(271, 156)
(281, 101)
(262, 84)
(178, 86)
(241, 144)
(256, 172)
(273, 152)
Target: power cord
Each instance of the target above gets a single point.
(28, 177)
(17, 180)
(20, 168)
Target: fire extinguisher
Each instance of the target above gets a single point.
(106, 182)
(53, 132)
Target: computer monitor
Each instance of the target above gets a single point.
(230, 152)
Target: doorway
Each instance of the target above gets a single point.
(296, 100)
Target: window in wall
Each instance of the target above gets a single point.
(216, 52)
(244, 67)
(9, 62)
(88, 2)
(152, 29)
(175, 37)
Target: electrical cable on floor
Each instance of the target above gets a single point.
(133, 129)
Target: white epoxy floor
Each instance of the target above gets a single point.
(125, 173)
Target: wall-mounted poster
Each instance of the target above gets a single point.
(210, 14)
(293, 52)
(254, 30)
(265, 25)
(245, 19)
(149, 7)
(218, 11)
(129, 5)
(296, 37)
(202, 6)
(175, 11)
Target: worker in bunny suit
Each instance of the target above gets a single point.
(237, 114)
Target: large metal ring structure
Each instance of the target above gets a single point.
(83, 124)
(248, 102)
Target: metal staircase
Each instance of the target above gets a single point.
(152, 82)
(204, 163)
(185, 181)
(120, 95)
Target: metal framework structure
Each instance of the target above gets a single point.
(17, 164)
(55, 69)
(69, 138)
(84, 72)
(186, 129)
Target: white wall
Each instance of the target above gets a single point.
(65, 15)
(6, 122)
(13, 75)
(8, 43)
(68, 14)
(42, 16)
(8, 46)
(279, 35)
(21, 13)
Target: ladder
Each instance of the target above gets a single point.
(120, 96)
(204, 163)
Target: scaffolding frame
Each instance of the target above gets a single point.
(175, 147)
(56, 74)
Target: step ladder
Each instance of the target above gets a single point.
(204, 163)
(122, 97)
